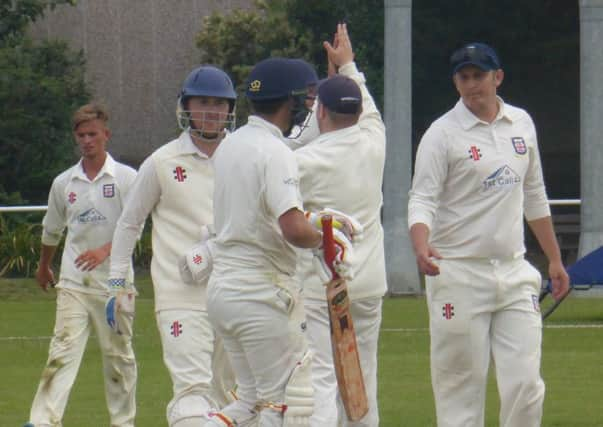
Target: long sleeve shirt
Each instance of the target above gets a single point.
(475, 181)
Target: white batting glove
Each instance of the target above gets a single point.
(120, 306)
(343, 263)
(342, 222)
(196, 264)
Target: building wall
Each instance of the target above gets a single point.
(138, 52)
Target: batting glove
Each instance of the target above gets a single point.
(342, 222)
(343, 263)
(119, 307)
(197, 263)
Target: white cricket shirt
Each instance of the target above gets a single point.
(343, 170)
(89, 210)
(474, 182)
(175, 185)
(256, 182)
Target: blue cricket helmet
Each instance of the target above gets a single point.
(276, 78)
(308, 71)
(208, 80)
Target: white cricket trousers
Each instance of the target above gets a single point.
(261, 325)
(195, 359)
(328, 407)
(481, 308)
(76, 314)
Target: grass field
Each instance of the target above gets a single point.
(572, 363)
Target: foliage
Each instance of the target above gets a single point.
(41, 84)
(19, 246)
(236, 41)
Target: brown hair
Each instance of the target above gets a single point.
(89, 112)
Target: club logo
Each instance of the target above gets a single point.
(71, 198)
(519, 145)
(91, 216)
(255, 86)
(109, 190)
(503, 178)
(475, 153)
(448, 311)
(179, 174)
(176, 329)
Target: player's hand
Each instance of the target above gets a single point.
(425, 257)
(332, 68)
(45, 277)
(120, 306)
(92, 258)
(343, 262)
(342, 52)
(345, 223)
(559, 280)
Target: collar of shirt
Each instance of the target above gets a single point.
(257, 121)
(337, 134)
(108, 168)
(469, 120)
(187, 146)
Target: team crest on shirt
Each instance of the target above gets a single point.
(519, 145)
(502, 178)
(536, 303)
(91, 216)
(109, 190)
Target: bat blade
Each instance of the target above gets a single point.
(343, 336)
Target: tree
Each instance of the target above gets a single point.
(41, 84)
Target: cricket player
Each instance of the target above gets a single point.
(87, 199)
(175, 185)
(343, 169)
(253, 300)
(477, 175)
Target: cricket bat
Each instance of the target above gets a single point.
(343, 337)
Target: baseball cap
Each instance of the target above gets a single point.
(340, 94)
(479, 54)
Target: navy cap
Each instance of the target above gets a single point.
(340, 94)
(276, 78)
(479, 54)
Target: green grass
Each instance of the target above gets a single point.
(572, 364)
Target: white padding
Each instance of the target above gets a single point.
(186, 407)
(299, 394)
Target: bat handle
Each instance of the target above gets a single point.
(328, 243)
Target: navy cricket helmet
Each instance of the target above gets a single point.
(208, 80)
(276, 78)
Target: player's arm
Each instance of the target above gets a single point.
(545, 234)
(53, 225)
(538, 215)
(428, 182)
(341, 57)
(142, 197)
(298, 231)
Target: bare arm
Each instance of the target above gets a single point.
(297, 230)
(543, 230)
(44, 273)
